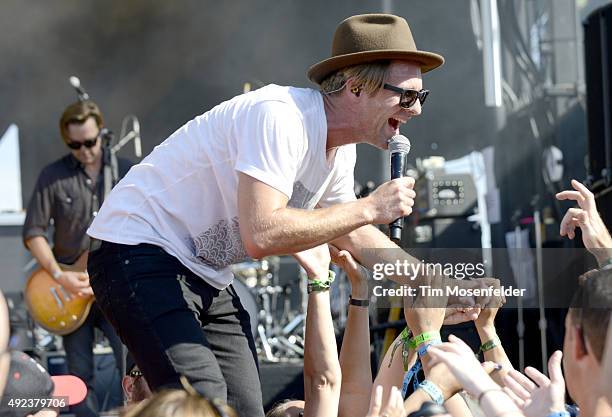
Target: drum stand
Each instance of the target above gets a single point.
(280, 338)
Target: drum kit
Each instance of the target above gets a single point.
(277, 327)
(273, 291)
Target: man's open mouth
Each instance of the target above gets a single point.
(394, 123)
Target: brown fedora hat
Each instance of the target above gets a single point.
(372, 37)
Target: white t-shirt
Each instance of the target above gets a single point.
(183, 196)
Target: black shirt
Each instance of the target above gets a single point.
(65, 193)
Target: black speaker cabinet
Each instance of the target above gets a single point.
(455, 232)
(598, 71)
(281, 381)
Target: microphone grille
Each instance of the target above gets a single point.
(75, 82)
(399, 143)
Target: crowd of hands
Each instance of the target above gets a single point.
(343, 386)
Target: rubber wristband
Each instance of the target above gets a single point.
(358, 303)
(433, 391)
(424, 337)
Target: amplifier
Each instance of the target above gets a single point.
(281, 381)
(445, 195)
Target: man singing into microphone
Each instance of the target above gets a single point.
(269, 172)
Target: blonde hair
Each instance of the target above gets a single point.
(370, 77)
(179, 403)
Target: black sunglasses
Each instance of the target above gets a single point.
(408, 97)
(88, 143)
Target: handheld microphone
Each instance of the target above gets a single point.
(76, 83)
(399, 146)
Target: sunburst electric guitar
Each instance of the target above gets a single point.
(52, 306)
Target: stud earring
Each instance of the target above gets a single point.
(356, 91)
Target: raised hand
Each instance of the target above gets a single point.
(460, 360)
(459, 314)
(357, 274)
(486, 318)
(315, 261)
(595, 235)
(393, 408)
(426, 312)
(547, 397)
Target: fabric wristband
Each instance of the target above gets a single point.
(413, 373)
(321, 284)
(489, 344)
(424, 337)
(403, 341)
(433, 391)
(422, 350)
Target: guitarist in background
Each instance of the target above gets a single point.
(70, 191)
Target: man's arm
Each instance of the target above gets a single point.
(391, 372)
(322, 373)
(269, 227)
(369, 237)
(39, 214)
(74, 282)
(5, 330)
(41, 251)
(381, 250)
(355, 351)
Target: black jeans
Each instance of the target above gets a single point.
(174, 323)
(79, 355)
